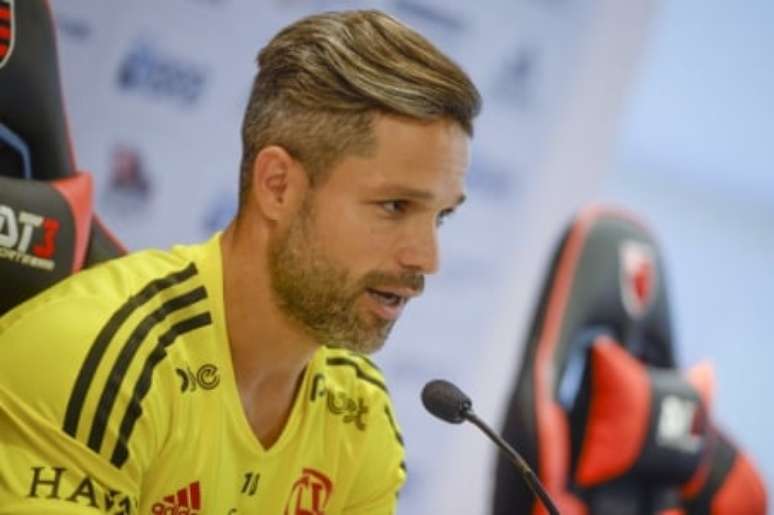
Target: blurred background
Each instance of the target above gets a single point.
(664, 107)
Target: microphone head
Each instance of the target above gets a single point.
(446, 401)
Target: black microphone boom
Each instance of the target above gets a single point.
(447, 402)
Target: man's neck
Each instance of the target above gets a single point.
(269, 354)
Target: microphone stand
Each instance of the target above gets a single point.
(532, 481)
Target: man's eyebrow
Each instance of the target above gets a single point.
(416, 194)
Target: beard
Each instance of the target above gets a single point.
(321, 296)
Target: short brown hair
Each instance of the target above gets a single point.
(322, 79)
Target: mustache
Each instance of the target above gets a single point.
(410, 280)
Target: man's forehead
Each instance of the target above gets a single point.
(426, 161)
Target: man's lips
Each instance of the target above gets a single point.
(397, 291)
(388, 302)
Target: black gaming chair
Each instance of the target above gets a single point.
(47, 227)
(600, 409)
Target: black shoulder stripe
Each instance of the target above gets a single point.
(97, 350)
(143, 384)
(398, 436)
(124, 359)
(365, 359)
(338, 361)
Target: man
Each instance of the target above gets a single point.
(229, 377)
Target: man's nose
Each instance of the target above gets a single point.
(420, 251)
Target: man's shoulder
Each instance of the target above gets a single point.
(352, 371)
(97, 342)
(131, 274)
(356, 396)
(107, 286)
(105, 320)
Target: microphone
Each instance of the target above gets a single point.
(447, 402)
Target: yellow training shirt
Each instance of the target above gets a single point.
(117, 395)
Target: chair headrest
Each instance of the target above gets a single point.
(607, 272)
(31, 107)
(606, 277)
(47, 228)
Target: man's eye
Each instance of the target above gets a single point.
(394, 207)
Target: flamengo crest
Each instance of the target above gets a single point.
(310, 494)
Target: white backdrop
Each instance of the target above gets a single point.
(155, 93)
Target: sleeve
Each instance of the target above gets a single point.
(383, 470)
(63, 447)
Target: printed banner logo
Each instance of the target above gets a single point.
(7, 30)
(310, 494)
(148, 70)
(130, 186)
(16, 233)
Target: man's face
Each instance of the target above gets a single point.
(365, 238)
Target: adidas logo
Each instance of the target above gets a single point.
(187, 501)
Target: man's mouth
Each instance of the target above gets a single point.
(389, 302)
(387, 298)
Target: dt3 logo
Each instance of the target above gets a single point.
(16, 242)
(310, 494)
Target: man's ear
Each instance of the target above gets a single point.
(279, 182)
